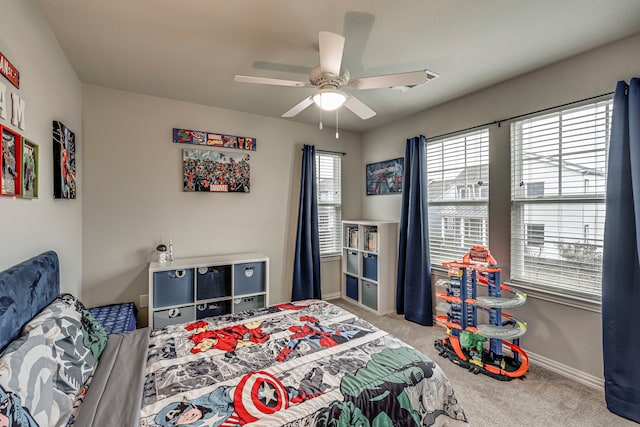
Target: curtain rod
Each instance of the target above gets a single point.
(499, 122)
(329, 152)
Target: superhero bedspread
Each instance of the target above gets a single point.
(301, 364)
(304, 364)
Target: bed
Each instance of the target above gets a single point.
(307, 363)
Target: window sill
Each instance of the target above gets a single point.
(439, 269)
(575, 301)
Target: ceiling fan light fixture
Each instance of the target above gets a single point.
(329, 99)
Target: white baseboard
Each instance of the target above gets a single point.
(333, 295)
(566, 371)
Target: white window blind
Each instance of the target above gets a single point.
(458, 193)
(558, 189)
(328, 173)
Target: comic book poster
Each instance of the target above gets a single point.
(186, 136)
(215, 171)
(29, 169)
(64, 162)
(385, 177)
(10, 163)
(196, 137)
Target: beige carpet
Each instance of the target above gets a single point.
(542, 399)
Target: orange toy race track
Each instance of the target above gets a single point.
(479, 347)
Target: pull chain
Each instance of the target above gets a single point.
(337, 134)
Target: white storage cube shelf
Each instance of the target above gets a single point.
(190, 289)
(369, 264)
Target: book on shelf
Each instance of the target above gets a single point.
(372, 241)
(352, 237)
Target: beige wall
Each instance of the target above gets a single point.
(133, 196)
(52, 91)
(567, 335)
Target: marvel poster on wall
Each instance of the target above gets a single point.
(10, 178)
(215, 171)
(385, 177)
(29, 169)
(197, 137)
(64, 162)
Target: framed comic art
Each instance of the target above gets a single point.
(64, 162)
(11, 162)
(385, 177)
(215, 171)
(198, 137)
(29, 186)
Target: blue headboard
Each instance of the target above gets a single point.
(25, 289)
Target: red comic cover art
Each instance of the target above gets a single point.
(227, 339)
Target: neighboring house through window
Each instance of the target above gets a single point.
(535, 189)
(458, 193)
(558, 170)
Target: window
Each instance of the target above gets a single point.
(328, 167)
(470, 191)
(451, 227)
(458, 191)
(535, 189)
(535, 235)
(558, 170)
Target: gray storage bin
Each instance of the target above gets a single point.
(370, 266)
(211, 309)
(248, 303)
(172, 287)
(248, 278)
(370, 294)
(352, 262)
(173, 316)
(352, 287)
(213, 282)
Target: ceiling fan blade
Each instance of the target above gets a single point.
(412, 78)
(331, 47)
(268, 81)
(298, 107)
(358, 107)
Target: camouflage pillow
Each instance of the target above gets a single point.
(42, 371)
(28, 392)
(68, 306)
(75, 339)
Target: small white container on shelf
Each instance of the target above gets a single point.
(161, 253)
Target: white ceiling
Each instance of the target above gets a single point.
(190, 50)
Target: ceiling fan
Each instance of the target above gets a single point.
(328, 79)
